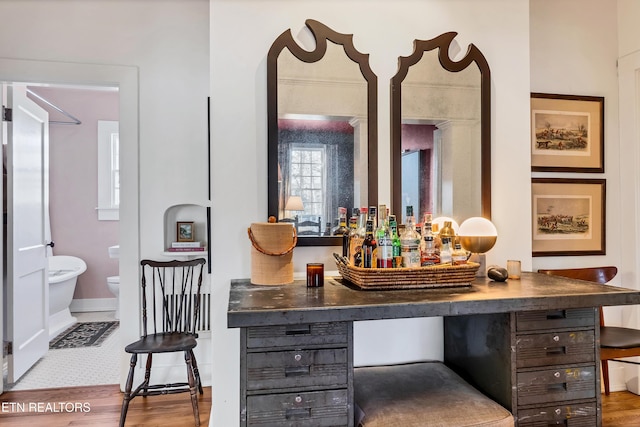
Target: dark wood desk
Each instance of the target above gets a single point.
(531, 344)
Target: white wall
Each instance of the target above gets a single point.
(241, 34)
(165, 44)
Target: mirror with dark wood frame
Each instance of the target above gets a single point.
(322, 131)
(441, 132)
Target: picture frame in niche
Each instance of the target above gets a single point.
(568, 216)
(185, 231)
(567, 133)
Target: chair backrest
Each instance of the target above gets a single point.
(310, 228)
(171, 292)
(601, 275)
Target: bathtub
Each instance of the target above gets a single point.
(63, 275)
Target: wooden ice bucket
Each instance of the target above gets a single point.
(272, 252)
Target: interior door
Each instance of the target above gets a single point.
(27, 293)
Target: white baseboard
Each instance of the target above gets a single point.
(93, 304)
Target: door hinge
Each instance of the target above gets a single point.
(8, 348)
(7, 114)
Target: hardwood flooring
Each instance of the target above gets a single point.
(97, 406)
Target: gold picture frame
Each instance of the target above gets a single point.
(185, 231)
(568, 216)
(567, 133)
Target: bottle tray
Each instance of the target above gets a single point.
(436, 276)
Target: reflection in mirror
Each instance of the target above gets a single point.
(441, 132)
(322, 132)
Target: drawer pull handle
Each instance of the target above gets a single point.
(557, 387)
(297, 357)
(556, 338)
(297, 371)
(556, 374)
(557, 314)
(298, 413)
(298, 399)
(555, 351)
(558, 411)
(298, 330)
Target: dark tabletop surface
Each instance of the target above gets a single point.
(253, 305)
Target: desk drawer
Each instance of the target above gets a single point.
(314, 409)
(555, 319)
(561, 348)
(298, 336)
(556, 385)
(578, 415)
(299, 368)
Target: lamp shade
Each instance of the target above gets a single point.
(294, 203)
(477, 234)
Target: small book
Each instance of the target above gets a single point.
(186, 249)
(186, 244)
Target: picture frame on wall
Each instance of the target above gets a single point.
(185, 231)
(568, 216)
(567, 133)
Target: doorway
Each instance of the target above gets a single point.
(79, 234)
(126, 79)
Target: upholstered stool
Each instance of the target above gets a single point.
(425, 394)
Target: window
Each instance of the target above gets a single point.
(307, 177)
(108, 170)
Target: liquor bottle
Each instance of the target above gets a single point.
(429, 253)
(445, 252)
(358, 238)
(346, 241)
(395, 241)
(373, 215)
(384, 251)
(342, 222)
(458, 256)
(368, 246)
(410, 242)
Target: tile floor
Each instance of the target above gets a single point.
(78, 366)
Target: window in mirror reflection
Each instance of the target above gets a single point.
(315, 159)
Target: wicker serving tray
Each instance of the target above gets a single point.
(436, 276)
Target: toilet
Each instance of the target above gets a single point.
(113, 282)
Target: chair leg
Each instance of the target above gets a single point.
(192, 387)
(147, 374)
(194, 362)
(605, 376)
(127, 391)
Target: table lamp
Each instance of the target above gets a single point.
(294, 203)
(478, 235)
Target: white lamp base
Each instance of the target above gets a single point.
(482, 260)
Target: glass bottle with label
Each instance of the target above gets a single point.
(384, 242)
(410, 242)
(368, 246)
(445, 252)
(395, 241)
(357, 239)
(459, 255)
(342, 222)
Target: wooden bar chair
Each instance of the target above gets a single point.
(171, 292)
(615, 342)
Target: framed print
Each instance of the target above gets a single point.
(185, 231)
(568, 216)
(567, 133)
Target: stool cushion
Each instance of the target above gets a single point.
(425, 394)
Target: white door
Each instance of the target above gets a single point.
(27, 292)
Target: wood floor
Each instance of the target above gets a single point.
(98, 406)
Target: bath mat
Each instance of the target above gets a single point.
(89, 334)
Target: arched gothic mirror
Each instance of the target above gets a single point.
(441, 132)
(322, 132)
